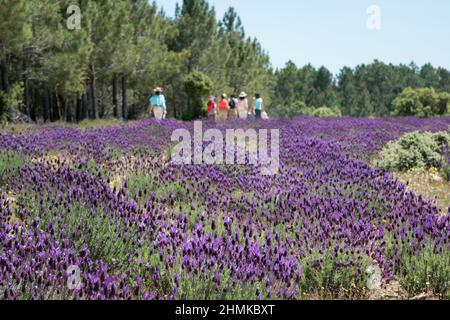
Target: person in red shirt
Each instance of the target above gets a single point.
(212, 107)
(223, 108)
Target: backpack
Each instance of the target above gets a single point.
(232, 103)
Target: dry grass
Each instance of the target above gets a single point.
(83, 125)
(428, 184)
(15, 128)
(100, 123)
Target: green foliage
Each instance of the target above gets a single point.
(422, 102)
(327, 276)
(14, 25)
(196, 24)
(91, 226)
(203, 287)
(122, 40)
(299, 108)
(445, 167)
(313, 87)
(10, 163)
(196, 86)
(419, 270)
(13, 98)
(445, 171)
(366, 90)
(2, 108)
(413, 150)
(138, 43)
(102, 235)
(290, 110)
(92, 124)
(426, 271)
(156, 65)
(326, 112)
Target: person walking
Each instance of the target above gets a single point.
(259, 106)
(157, 104)
(211, 107)
(232, 103)
(223, 108)
(242, 106)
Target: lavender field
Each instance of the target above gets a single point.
(101, 213)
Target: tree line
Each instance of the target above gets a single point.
(366, 90)
(123, 49)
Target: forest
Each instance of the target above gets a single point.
(108, 66)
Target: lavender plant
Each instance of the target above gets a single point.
(108, 201)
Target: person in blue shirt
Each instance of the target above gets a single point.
(157, 104)
(259, 105)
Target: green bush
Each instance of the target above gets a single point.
(196, 86)
(422, 102)
(13, 99)
(299, 108)
(442, 138)
(414, 150)
(326, 112)
(445, 171)
(290, 110)
(445, 168)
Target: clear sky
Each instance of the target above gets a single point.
(334, 33)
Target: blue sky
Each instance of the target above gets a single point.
(335, 33)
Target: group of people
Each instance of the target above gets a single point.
(231, 108)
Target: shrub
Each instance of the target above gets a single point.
(290, 110)
(14, 97)
(196, 86)
(445, 171)
(299, 108)
(326, 112)
(11, 100)
(442, 138)
(414, 150)
(281, 111)
(445, 168)
(422, 102)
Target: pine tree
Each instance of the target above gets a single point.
(196, 24)
(348, 92)
(287, 86)
(38, 56)
(155, 65)
(105, 20)
(15, 31)
(234, 34)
